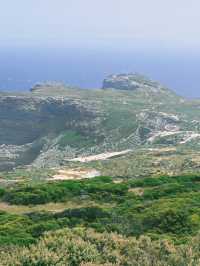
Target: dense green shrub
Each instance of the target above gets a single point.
(14, 229)
(25, 229)
(2, 192)
(158, 181)
(165, 207)
(65, 190)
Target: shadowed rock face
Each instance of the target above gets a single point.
(24, 119)
(28, 123)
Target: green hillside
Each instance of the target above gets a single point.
(96, 177)
(53, 123)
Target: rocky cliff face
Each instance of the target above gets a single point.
(54, 122)
(29, 122)
(131, 81)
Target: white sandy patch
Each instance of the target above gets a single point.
(75, 174)
(187, 135)
(190, 137)
(162, 150)
(102, 156)
(118, 181)
(163, 134)
(172, 116)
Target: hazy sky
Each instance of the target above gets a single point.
(153, 23)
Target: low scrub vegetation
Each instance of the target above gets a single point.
(87, 247)
(167, 210)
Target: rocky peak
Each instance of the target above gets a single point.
(46, 86)
(132, 81)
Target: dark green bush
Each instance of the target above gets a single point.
(65, 190)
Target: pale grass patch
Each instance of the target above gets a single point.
(50, 207)
(137, 191)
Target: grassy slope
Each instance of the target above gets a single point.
(87, 121)
(120, 128)
(162, 207)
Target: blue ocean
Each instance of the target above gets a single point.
(21, 68)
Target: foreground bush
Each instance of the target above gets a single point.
(86, 247)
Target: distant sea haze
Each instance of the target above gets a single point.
(20, 69)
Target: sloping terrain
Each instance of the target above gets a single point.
(99, 177)
(53, 123)
(102, 220)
